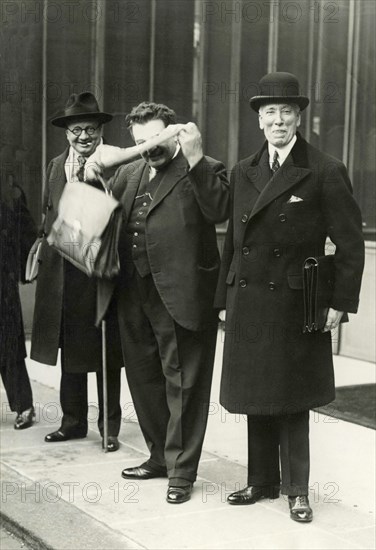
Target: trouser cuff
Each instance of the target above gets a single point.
(294, 490)
(257, 482)
(179, 482)
(151, 464)
(182, 474)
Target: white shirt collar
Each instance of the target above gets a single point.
(153, 171)
(283, 152)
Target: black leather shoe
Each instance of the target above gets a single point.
(177, 495)
(58, 436)
(25, 419)
(251, 494)
(300, 509)
(141, 472)
(112, 443)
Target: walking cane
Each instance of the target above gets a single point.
(105, 400)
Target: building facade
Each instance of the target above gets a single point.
(204, 59)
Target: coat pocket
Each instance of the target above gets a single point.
(295, 281)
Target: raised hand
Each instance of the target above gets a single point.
(191, 143)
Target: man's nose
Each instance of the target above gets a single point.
(278, 118)
(84, 134)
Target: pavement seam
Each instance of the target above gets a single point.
(36, 542)
(30, 539)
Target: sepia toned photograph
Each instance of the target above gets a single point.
(188, 274)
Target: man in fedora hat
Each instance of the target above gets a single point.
(288, 198)
(65, 306)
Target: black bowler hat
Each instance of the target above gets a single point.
(82, 105)
(278, 88)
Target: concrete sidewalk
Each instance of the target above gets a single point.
(71, 494)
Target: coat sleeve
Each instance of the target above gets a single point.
(27, 234)
(123, 175)
(227, 256)
(344, 227)
(211, 189)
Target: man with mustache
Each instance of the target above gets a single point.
(172, 199)
(65, 305)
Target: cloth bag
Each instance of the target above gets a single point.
(87, 228)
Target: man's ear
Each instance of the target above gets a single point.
(298, 121)
(261, 122)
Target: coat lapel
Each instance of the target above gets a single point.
(57, 178)
(291, 173)
(174, 172)
(134, 182)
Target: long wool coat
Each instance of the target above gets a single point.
(17, 234)
(269, 366)
(65, 302)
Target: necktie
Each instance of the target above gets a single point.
(275, 163)
(80, 171)
(153, 184)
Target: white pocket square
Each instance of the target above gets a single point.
(293, 198)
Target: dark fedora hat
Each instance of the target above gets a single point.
(278, 88)
(83, 105)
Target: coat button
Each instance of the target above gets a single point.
(277, 252)
(282, 218)
(272, 286)
(245, 250)
(242, 283)
(244, 218)
(49, 206)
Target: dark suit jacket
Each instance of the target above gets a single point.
(180, 235)
(269, 365)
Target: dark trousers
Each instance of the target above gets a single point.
(17, 386)
(275, 440)
(74, 402)
(169, 371)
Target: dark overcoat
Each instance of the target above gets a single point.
(17, 234)
(65, 301)
(180, 235)
(269, 365)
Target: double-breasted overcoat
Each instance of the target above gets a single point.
(270, 366)
(65, 302)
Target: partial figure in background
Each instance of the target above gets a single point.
(287, 199)
(17, 234)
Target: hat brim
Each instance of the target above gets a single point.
(62, 121)
(257, 101)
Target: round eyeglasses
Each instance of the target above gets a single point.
(90, 130)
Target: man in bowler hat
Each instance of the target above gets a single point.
(172, 199)
(65, 306)
(287, 199)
